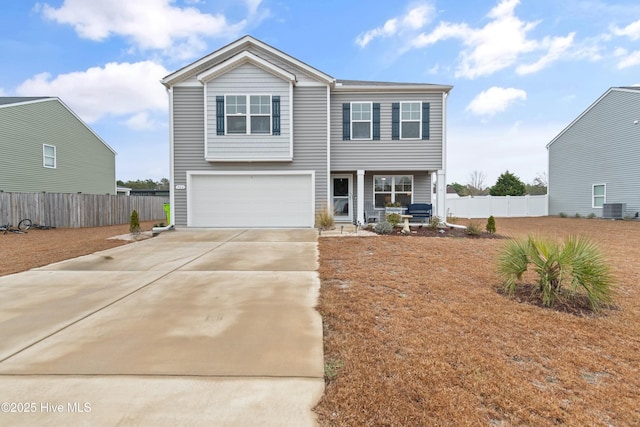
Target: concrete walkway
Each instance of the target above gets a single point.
(193, 327)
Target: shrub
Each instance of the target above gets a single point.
(324, 220)
(473, 228)
(569, 269)
(394, 219)
(591, 215)
(434, 222)
(134, 222)
(491, 225)
(562, 215)
(577, 215)
(383, 227)
(452, 219)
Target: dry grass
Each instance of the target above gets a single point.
(36, 248)
(425, 338)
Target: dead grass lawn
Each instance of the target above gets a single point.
(424, 338)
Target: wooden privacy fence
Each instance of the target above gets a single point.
(70, 210)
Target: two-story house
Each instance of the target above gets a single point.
(595, 160)
(47, 147)
(261, 139)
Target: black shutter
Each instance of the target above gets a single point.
(395, 120)
(425, 120)
(220, 115)
(346, 121)
(376, 121)
(275, 115)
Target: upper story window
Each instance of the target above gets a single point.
(361, 122)
(258, 121)
(599, 195)
(410, 119)
(48, 156)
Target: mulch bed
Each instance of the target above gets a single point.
(418, 332)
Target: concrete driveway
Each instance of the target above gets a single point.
(193, 327)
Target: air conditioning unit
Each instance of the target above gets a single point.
(614, 210)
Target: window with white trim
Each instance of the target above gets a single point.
(392, 189)
(361, 123)
(599, 195)
(48, 156)
(410, 120)
(258, 119)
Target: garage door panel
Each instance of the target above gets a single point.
(251, 201)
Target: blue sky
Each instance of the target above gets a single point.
(522, 70)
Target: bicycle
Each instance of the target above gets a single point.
(26, 224)
(8, 228)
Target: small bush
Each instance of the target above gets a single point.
(491, 225)
(591, 215)
(452, 219)
(569, 269)
(434, 222)
(324, 220)
(577, 215)
(394, 219)
(473, 228)
(134, 222)
(562, 215)
(383, 227)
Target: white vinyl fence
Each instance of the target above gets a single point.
(498, 206)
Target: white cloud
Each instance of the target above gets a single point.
(148, 24)
(118, 89)
(141, 121)
(495, 100)
(2, 92)
(630, 60)
(501, 43)
(632, 30)
(556, 48)
(415, 19)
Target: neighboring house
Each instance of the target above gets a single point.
(596, 159)
(46, 147)
(261, 139)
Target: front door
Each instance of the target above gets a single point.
(341, 197)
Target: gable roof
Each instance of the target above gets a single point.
(365, 85)
(240, 44)
(8, 100)
(629, 89)
(243, 58)
(14, 101)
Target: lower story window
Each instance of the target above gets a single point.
(599, 195)
(392, 189)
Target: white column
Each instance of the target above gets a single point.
(360, 187)
(441, 195)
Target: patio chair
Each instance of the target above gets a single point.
(370, 214)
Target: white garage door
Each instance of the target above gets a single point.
(240, 200)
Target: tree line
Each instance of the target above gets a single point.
(147, 184)
(507, 184)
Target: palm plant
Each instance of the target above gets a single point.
(572, 268)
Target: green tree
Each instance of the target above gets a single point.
(491, 225)
(134, 222)
(508, 185)
(147, 184)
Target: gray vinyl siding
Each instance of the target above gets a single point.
(309, 144)
(248, 79)
(601, 147)
(387, 154)
(83, 162)
(300, 75)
